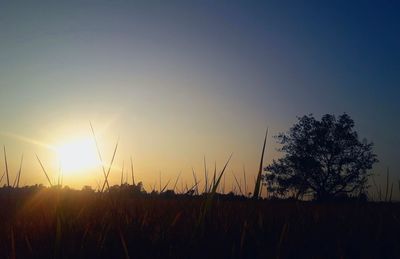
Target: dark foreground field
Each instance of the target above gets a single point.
(51, 223)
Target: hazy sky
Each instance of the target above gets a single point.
(177, 81)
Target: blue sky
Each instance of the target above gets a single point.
(179, 80)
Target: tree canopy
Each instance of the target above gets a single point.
(324, 158)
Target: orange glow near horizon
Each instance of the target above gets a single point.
(68, 151)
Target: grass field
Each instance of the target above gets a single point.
(38, 222)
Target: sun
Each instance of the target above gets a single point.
(78, 155)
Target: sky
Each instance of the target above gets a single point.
(177, 81)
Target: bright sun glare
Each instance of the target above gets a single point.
(78, 155)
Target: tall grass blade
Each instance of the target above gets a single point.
(237, 183)
(387, 185)
(165, 187)
(245, 180)
(256, 192)
(391, 193)
(153, 187)
(223, 184)
(19, 171)
(109, 168)
(6, 164)
(195, 181)
(44, 170)
(214, 189)
(176, 181)
(122, 172)
(210, 196)
(133, 175)
(2, 176)
(99, 154)
(205, 175)
(188, 190)
(214, 176)
(160, 182)
(15, 181)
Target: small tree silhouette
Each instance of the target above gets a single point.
(324, 158)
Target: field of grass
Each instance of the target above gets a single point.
(124, 221)
(37, 222)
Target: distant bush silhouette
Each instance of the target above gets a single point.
(323, 158)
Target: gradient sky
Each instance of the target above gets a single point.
(177, 81)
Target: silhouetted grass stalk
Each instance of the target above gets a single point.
(99, 154)
(6, 165)
(132, 173)
(44, 170)
(122, 172)
(257, 186)
(237, 183)
(245, 181)
(176, 181)
(109, 168)
(18, 176)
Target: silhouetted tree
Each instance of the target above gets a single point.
(324, 158)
